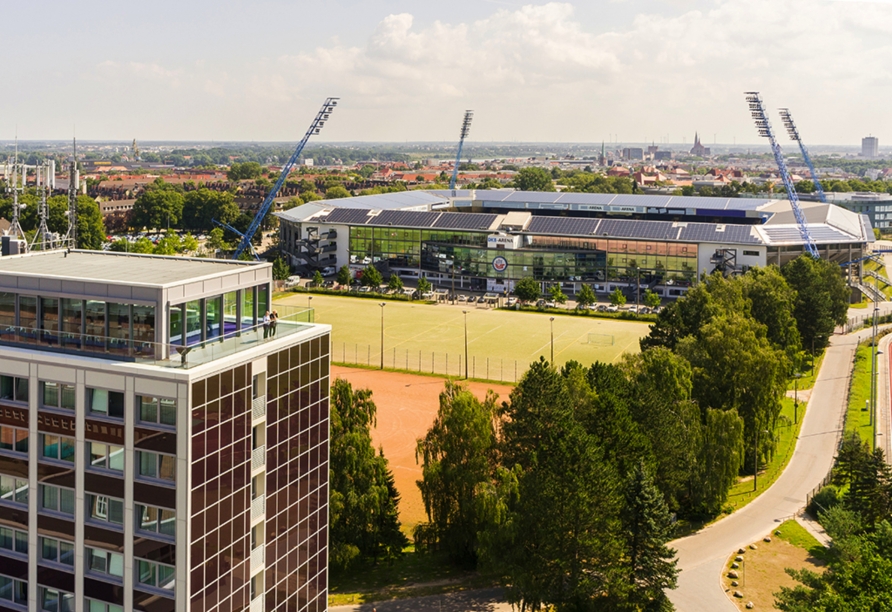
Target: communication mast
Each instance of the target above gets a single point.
(757, 110)
(43, 239)
(73, 187)
(465, 128)
(787, 118)
(12, 187)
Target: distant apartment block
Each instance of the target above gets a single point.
(159, 450)
(870, 147)
(633, 153)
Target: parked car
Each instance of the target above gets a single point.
(613, 308)
(329, 271)
(292, 281)
(462, 297)
(472, 299)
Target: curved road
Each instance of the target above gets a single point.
(701, 556)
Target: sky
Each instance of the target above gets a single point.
(584, 71)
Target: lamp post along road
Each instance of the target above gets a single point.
(382, 305)
(465, 312)
(552, 340)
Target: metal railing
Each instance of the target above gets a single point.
(258, 407)
(257, 558)
(258, 458)
(258, 507)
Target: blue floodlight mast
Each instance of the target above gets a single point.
(757, 110)
(794, 135)
(465, 128)
(315, 127)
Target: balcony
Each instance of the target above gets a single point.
(258, 458)
(258, 507)
(258, 407)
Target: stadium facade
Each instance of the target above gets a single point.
(486, 240)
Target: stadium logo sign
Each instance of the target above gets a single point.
(500, 264)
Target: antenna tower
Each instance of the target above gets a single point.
(43, 239)
(73, 186)
(757, 110)
(787, 118)
(465, 128)
(15, 227)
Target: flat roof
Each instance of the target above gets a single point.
(119, 268)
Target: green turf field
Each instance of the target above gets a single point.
(423, 337)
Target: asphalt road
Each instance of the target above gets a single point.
(701, 556)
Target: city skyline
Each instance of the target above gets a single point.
(635, 70)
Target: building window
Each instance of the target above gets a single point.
(58, 448)
(155, 520)
(155, 575)
(105, 403)
(14, 490)
(13, 439)
(157, 410)
(105, 563)
(15, 591)
(106, 456)
(751, 253)
(13, 540)
(57, 499)
(14, 389)
(57, 551)
(51, 600)
(94, 605)
(156, 466)
(105, 509)
(57, 395)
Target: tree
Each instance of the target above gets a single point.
(527, 289)
(617, 297)
(363, 505)
(344, 275)
(169, 245)
(720, 459)
(586, 297)
(822, 298)
(424, 285)
(533, 179)
(158, 207)
(651, 299)
(772, 303)
(336, 192)
(457, 456)
(203, 206)
(90, 226)
(395, 283)
(216, 240)
(557, 295)
(649, 564)
(371, 277)
(281, 269)
(188, 244)
(244, 171)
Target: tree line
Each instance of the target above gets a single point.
(90, 226)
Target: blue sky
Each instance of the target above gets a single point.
(625, 70)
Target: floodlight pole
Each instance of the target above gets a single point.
(552, 341)
(382, 305)
(465, 312)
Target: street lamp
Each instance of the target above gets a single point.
(465, 312)
(309, 301)
(756, 461)
(552, 340)
(874, 412)
(796, 378)
(382, 305)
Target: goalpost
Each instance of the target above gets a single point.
(600, 339)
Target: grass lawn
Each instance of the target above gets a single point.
(797, 535)
(857, 417)
(430, 338)
(412, 575)
(880, 269)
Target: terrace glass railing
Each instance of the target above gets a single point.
(291, 321)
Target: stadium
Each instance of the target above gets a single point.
(486, 240)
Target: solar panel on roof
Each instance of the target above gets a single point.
(405, 218)
(465, 220)
(532, 196)
(347, 215)
(562, 226)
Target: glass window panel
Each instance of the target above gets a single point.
(7, 438)
(7, 387)
(116, 511)
(49, 498)
(66, 553)
(116, 458)
(50, 446)
(21, 389)
(166, 577)
(49, 550)
(21, 440)
(176, 324)
(148, 409)
(98, 561)
(97, 401)
(116, 565)
(214, 317)
(66, 501)
(143, 323)
(21, 491)
(193, 322)
(248, 319)
(50, 394)
(148, 517)
(167, 468)
(28, 317)
(230, 312)
(7, 308)
(146, 573)
(95, 313)
(148, 464)
(6, 538)
(67, 399)
(66, 451)
(167, 522)
(49, 310)
(119, 320)
(72, 315)
(21, 542)
(168, 412)
(98, 454)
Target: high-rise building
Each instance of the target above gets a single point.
(870, 146)
(161, 449)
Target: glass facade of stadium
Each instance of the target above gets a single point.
(545, 258)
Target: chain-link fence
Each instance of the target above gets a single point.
(430, 362)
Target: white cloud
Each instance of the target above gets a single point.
(537, 72)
